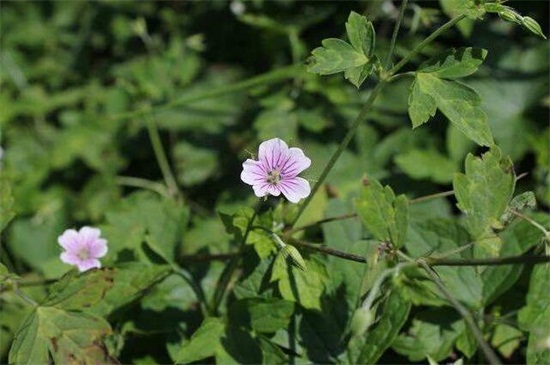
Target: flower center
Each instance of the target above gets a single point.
(274, 176)
(83, 254)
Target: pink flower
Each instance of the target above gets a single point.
(276, 171)
(82, 248)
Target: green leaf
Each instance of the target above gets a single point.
(440, 236)
(130, 282)
(385, 215)
(146, 217)
(261, 315)
(506, 339)
(455, 63)
(427, 164)
(204, 343)
(67, 337)
(296, 285)
(335, 56)
(433, 333)
(360, 34)
(535, 316)
(76, 291)
(357, 75)
(520, 202)
(471, 8)
(194, 164)
(484, 191)
(459, 103)
(381, 336)
(7, 211)
(421, 105)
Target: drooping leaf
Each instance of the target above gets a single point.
(455, 63)
(68, 337)
(384, 214)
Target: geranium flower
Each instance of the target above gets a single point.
(276, 171)
(82, 248)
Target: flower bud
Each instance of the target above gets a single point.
(293, 255)
(510, 15)
(361, 321)
(533, 26)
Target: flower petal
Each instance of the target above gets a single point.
(70, 258)
(88, 264)
(272, 152)
(261, 190)
(69, 240)
(295, 189)
(295, 163)
(89, 233)
(253, 172)
(97, 248)
(274, 190)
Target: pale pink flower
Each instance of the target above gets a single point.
(276, 171)
(82, 248)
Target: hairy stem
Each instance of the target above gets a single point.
(162, 160)
(395, 32)
(347, 139)
(464, 312)
(425, 42)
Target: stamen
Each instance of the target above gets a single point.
(274, 177)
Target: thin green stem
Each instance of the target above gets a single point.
(494, 261)
(347, 139)
(431, 197)
(532, 222)
(425, 42)
(395, 32)
(266, 78)
(23, 295)
(373, 292)
(464, 312)
(197, 289)
(162, 160)
(137, 182)
(328, 250)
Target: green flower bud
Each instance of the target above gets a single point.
(510, 15)
(293, 255)
(361, 321)
(533, 26)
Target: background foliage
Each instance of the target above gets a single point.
(86, 85)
